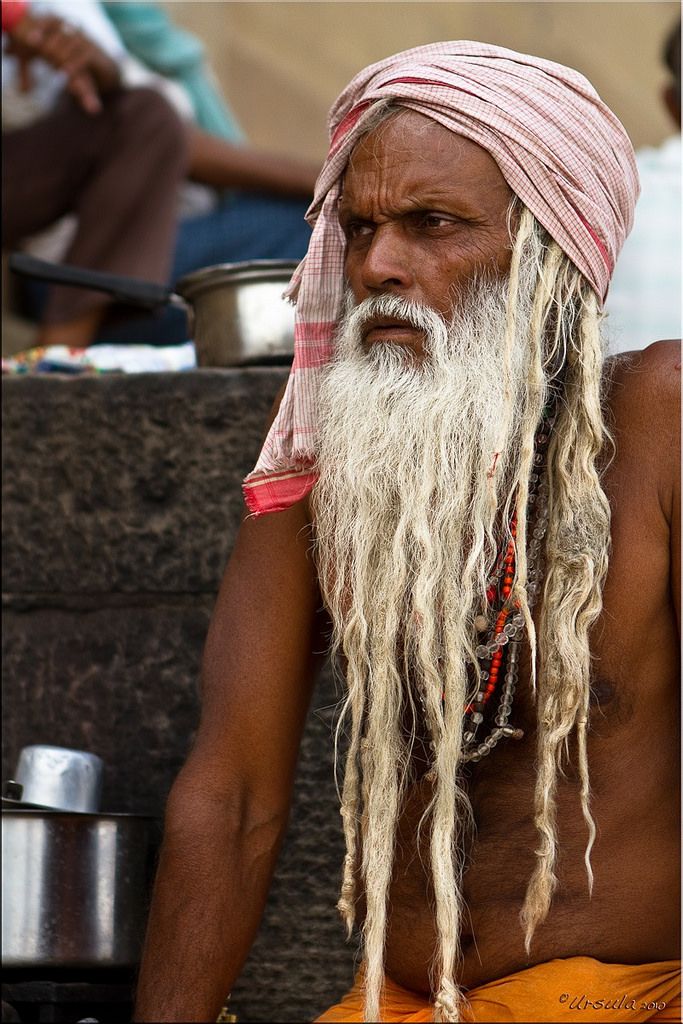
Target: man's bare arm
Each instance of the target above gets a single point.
(221, 164)
(645, 398)
(228, 808)
(675, 385)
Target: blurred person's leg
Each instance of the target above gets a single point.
(119, 171)
(244, 226)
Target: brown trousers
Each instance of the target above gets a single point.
(118, 171)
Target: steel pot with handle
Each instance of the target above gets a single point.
(75, 887)
(236, 313)
(240, 317)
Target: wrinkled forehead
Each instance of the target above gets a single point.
(405, 136)
(407, 153)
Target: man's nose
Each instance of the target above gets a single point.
(386, 265)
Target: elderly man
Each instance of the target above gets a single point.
(492, 545)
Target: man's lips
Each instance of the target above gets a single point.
(385, 329)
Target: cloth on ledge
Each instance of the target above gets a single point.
(102, 359)
(576, 989)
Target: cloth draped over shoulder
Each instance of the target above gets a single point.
(559, 147)
(149, 34)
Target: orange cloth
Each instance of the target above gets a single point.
(558, 991)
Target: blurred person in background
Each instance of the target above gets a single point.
(75, 141)
(644, 301)
(236, 203)
(244, 203)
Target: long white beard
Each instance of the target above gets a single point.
(419, 464)
(419, 469)
(418, 451)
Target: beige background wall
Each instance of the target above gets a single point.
(282, 64)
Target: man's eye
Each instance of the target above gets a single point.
(357, 229)
(434, 220)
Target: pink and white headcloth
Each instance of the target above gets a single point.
(561, 150)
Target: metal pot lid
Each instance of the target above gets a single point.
(234, 274)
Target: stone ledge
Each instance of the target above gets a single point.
(127, 483)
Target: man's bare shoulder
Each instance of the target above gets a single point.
(643, 416)
(644, 391)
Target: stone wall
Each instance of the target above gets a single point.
(121, 502)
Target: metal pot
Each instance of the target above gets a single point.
(236, 312)
(240, 317)
(74, 888)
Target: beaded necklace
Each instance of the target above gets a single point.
(498, 652)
